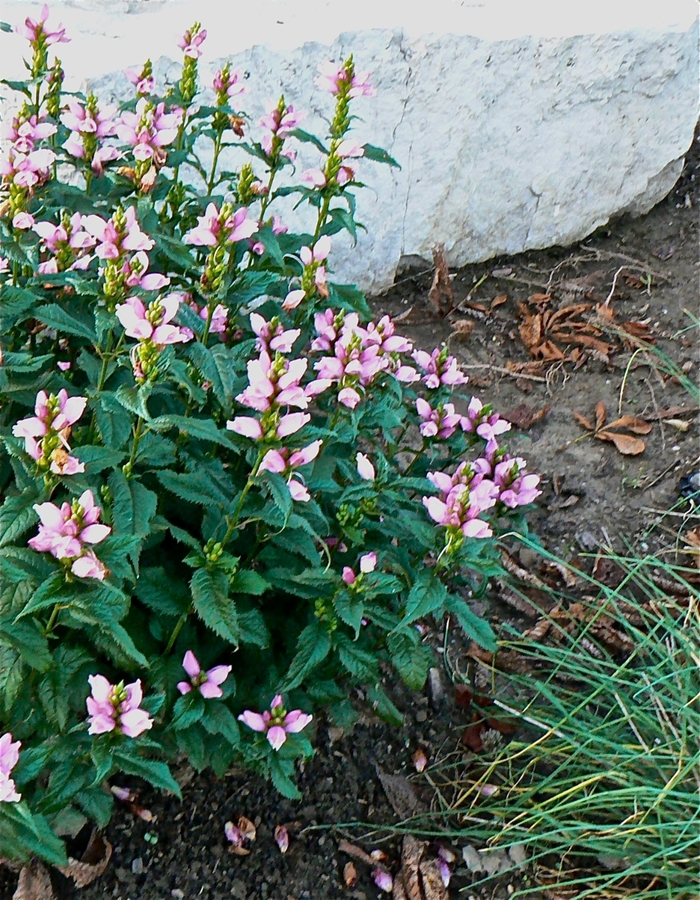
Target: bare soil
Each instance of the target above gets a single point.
(645, 271)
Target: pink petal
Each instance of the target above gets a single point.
(191, 665)
(276, 736)
(253, 720)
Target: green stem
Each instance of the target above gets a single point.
(268, 196)
(138, 434)
(322, 216)
(52, 619)
(217, 151)
(176, 631)
(244, 493)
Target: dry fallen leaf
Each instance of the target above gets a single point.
(499, 301)
(401, 795)
(524, 416)
(92, 863)
(462, 329)
(615, 432)
(552, 335)
(34, 883)
(441, 294)
(350, 874)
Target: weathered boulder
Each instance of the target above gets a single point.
(518, 123)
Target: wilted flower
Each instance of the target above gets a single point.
(365, 469)
(9, 756)
(207, 683)
(276, 722)
(383, 880)
(116, 708)
(282, 838)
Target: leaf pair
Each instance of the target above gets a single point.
(617, 432)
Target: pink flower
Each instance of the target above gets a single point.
(65, 530)
(206, 682)
(276, 723)
(87, 125)
(335, 77)
(216, 228)
(483, 421)
(152, 323)
(52, 422)
(365, 469)
(383, 880)
(27, 170)
(4, 265)
(68, 241)
(135, 270)
(274, 382)
(145, 84)
(441, 422)
(191, 41)
(320, 251)
(282, 838)
(22, 221)
(246, 426)
(34, 30)
(278, 226)
(118, 234)
(314, 177)
(285, 461)
(149, 129)
(228, 83)
(293, 299)
(271, 335)
(439, 368)
(516, 488)
(9, 756)
(116, 708)
(368, 563)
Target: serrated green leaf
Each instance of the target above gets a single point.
(253, 629)
(153, 771)
(195, 487)
(134, 399)
(428, 595)
(383, 706)
(204, 429)
(188, 709)
(473, 626)
(213, 605)
(246, 581)
(27, 637)
(17, 515)
(376, 154)
(218, 719)
(47, 594)
(350, 608)
(55, 316)
(161, 593)
(313, 646)
(359, 663)
(278, 490)
(281, 772)
(411, 658)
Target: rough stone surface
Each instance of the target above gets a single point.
(518, 123)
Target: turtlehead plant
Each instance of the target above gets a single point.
(231, 500)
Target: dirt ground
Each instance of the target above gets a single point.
(634, 286)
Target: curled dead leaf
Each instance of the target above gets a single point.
(462, 329)
(91, 864)
(441, 294)
(499, 301)
(350, 874)
(615, 432)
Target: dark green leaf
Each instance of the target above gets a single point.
(156, 773)
(313, 647)
(213, 605)
(474, 627)
(55, 316)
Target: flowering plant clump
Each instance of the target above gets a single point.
(229, 496)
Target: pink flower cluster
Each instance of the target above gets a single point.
(89, 125)
(285, 462)
(215, 228)
(228, 84)
(117, 235)
(135, 272)
(46, 433)
(116, 708)
(493, 480)
(346, 171)
(276, 723)
(143, 81)
(152, 323)
(191, 42)
(9, 756)
(26, 165)
(68, 243)
(439, 368)
(207, 683)
(333, 78)
(149, 130)
(359, 354)
(280, 120)
(219, 317)
(442, 421)
(35, 31)
(368, 563)
(65, 530)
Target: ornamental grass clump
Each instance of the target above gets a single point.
(229, 496)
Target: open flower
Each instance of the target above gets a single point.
(35, 30)
(46, 433)
(149, 129)
(207, 683)
(153, 323)
(9, 755)
(365, 469)
(216, 228)
(334, 78)
(276, 722)
(116, 708)
(65, 530)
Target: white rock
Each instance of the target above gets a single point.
(518, 123)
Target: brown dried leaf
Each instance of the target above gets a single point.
(441, 294)
(433, 887)
(539, 630)
(531, 330)
(34, 883)
(92, 863)
(638, 331)
(631, 423)
(582, 420)
(625, 443)
(350, 874)
(462, 329)
(569, 578)
(601, 415)
(401, 795)
(499, 301)
(247, 828)
(540, 299)
(471, 736)
(524, 416)
(411, 855)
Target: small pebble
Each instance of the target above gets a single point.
(177, 894)
(421, 715)
(137, 865)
